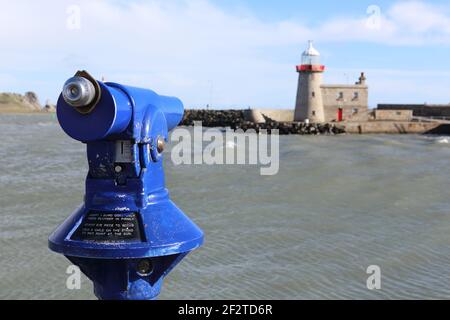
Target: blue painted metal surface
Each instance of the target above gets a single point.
(128, 234)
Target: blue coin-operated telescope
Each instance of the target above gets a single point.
(127, 235)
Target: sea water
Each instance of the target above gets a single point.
(338, 205)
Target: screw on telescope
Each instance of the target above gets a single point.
(160, 144)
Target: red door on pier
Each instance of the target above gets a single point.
(340, 114)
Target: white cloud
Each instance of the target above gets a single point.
(411, 23)
(187, 47)
(421, 18)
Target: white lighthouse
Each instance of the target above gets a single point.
(309, 105)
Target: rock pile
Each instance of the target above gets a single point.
(213, 118)
(235, 120)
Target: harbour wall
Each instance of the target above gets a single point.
(420, 110)
(395, 127)
(258, 120)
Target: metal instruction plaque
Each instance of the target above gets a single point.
(108, 227)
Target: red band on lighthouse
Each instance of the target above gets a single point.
(310, 68)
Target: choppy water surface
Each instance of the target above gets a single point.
(338, 205)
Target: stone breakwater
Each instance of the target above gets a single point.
(235, 119)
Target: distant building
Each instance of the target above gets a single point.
(317, 102)
(437, 111)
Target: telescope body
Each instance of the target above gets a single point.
(127, 235)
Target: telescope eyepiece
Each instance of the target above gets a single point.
(78, 92)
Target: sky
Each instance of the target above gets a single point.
(228, 53)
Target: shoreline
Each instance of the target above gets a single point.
(25, 112)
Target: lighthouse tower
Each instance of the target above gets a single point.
(309, 105)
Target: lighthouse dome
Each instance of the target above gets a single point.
(311, 56)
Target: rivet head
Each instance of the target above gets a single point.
(118, 169)
(160, 144)
(144, 267)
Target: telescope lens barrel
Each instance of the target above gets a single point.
(78, 92)
(90, 110)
